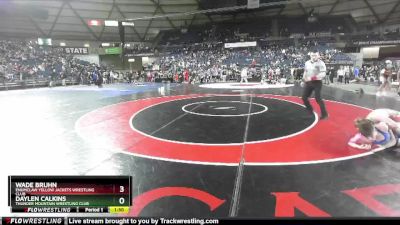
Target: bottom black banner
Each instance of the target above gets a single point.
(166, 221)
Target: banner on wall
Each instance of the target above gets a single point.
(388, 42)
(113, 51)
(76, 50)
(253, 4)
(297, 35)
(319, 34)
(370, 52)
(241, 44)
(92, 59)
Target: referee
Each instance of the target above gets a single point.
(314, 73)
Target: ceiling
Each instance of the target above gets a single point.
(68, 19)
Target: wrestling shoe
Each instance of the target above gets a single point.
(324, 117)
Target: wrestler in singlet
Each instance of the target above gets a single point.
(385, 135)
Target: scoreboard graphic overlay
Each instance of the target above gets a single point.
(94, 194)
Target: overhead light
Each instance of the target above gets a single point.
(154, 31)
(94, 22)
(312, 19)
(131, 60)
(87, 45)
(110, 23)
(62, 44)
(44, 41)
(105, 44)
(128, 24)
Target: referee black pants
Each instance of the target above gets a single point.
(315, 86)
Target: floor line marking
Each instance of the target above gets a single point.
(233, 211)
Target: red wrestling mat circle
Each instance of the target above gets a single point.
(325, 142)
